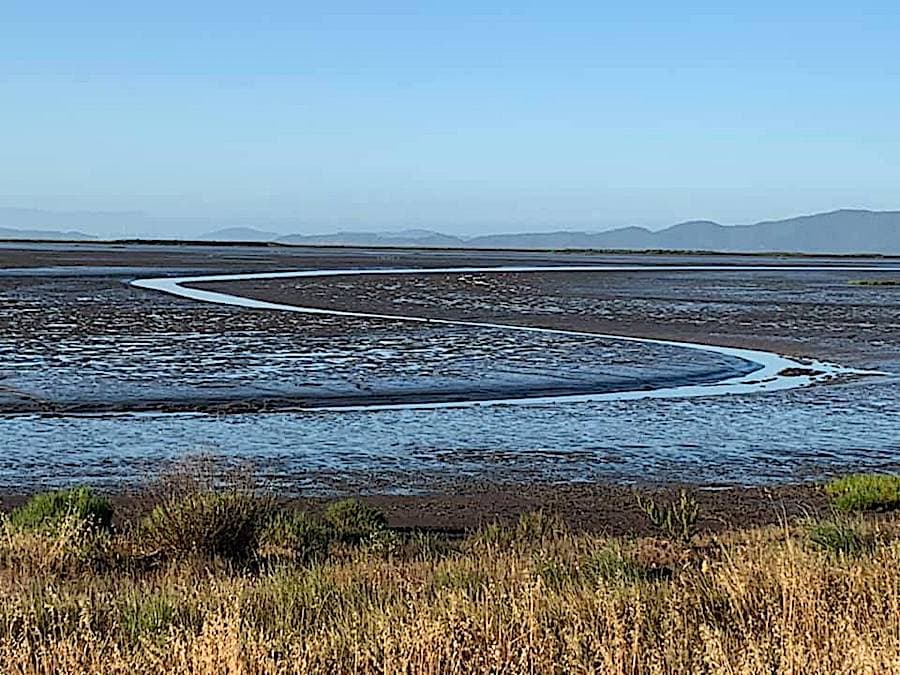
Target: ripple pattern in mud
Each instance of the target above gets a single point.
(96, 346)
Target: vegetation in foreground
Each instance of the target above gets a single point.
(222, 581)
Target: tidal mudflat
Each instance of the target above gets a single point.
(100, 381)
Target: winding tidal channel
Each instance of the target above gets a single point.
(771, 372)
(423, 371)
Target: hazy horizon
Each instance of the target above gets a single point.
(135, 224)
(451, 118)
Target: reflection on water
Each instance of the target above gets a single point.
(751, 439)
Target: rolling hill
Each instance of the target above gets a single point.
(53, 235)
(844, 232)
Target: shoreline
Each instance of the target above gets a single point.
(605, 508)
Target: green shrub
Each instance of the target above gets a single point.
(47, 511)
(353, 520)
(865, 492)
(676, 519)
(295, 535)
(841, 535)
(207, 523)
(609, 564)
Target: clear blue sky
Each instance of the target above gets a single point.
(460, 116)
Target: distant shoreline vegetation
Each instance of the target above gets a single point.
(875, 282)
(413, 247)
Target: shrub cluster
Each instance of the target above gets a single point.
(236, 526)
(232, 524)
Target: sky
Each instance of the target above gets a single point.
(465, 117)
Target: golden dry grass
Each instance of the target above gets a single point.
(533, 600)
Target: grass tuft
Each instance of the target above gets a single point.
(48, 511)
(353, 521)
(842, 535)
(206, 524)
(865, 492)
(676, 519)
(610, 564)
(295, 535)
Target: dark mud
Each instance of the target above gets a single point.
(607, 509)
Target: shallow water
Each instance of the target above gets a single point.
(795, 435)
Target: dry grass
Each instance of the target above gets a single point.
(534, 599)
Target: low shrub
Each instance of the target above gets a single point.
(295, 535)
(47, 511)
(353, 521)
(611, 565)
(841, 535)
(865, 492)
(206, 523)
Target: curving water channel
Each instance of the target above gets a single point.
(131, 345)
(772, 372)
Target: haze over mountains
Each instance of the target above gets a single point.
(52, 235)
(843, 231)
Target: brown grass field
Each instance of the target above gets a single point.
(160, 596)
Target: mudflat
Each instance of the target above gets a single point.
(77, 340)
(59, 292)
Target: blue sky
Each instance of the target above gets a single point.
(466, 117)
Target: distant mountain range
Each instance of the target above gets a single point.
(425, 238)
(239, 234)
(71, 235)
(844, 231)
